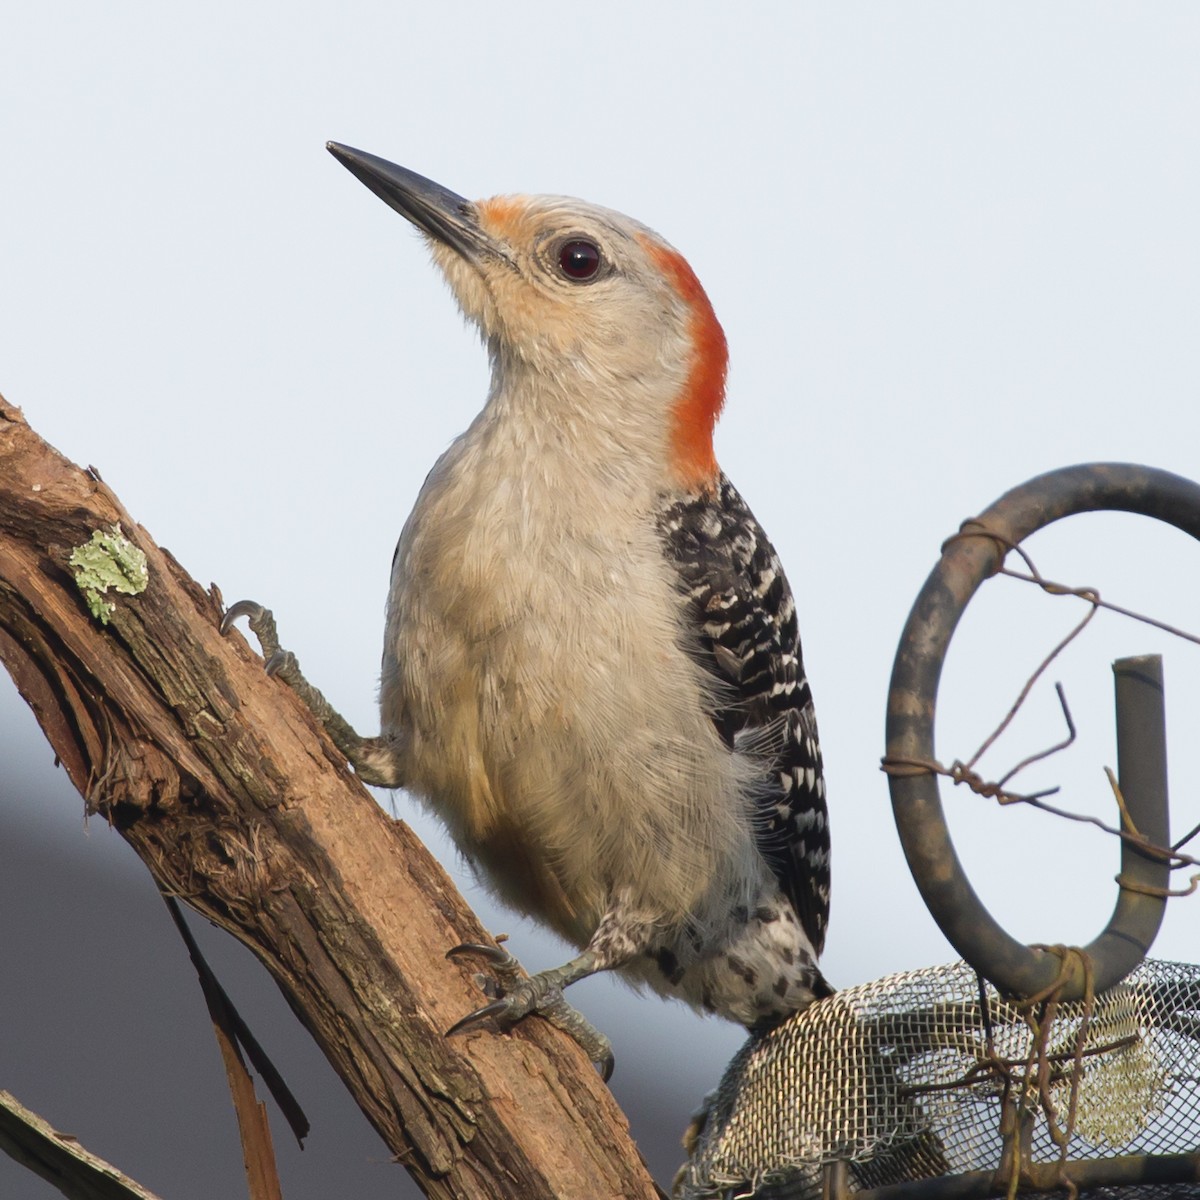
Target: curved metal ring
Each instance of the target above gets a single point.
(966, 562)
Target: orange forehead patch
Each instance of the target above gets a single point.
(703, 396)
(503, 217)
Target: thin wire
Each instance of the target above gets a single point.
(960, 772)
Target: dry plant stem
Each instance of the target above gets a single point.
(240, 806)
(254, 1126)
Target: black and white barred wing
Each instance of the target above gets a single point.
(745, 623)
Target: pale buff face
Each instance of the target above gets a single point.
(625, 320)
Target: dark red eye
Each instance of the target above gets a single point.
(579, 259)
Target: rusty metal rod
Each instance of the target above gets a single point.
(1142, 771)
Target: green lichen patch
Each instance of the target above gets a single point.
(109, 560)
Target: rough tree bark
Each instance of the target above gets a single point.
(238, 804)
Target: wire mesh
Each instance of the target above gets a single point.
(911, 1076)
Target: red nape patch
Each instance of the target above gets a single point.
(703, 395)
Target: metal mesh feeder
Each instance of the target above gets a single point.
(919, 1076)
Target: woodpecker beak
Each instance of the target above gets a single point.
(435, 210)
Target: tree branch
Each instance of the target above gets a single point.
(240, 806)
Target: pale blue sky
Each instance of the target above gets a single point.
(952, 246)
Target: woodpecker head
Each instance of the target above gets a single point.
(580, 297)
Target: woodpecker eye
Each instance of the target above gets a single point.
(579, 259)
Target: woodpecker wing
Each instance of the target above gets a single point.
(746, 634)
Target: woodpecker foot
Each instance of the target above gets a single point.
(515, 995)
(373, 759)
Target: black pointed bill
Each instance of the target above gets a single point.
(441, 213)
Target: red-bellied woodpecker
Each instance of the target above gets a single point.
(591, 669)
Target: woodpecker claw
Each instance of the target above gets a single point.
(243, 608)
(606, 1065)
(495, 1009)
(262, 625)
(499, 958)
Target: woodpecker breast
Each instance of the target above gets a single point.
(539, 671)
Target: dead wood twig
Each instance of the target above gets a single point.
(60, 1159)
